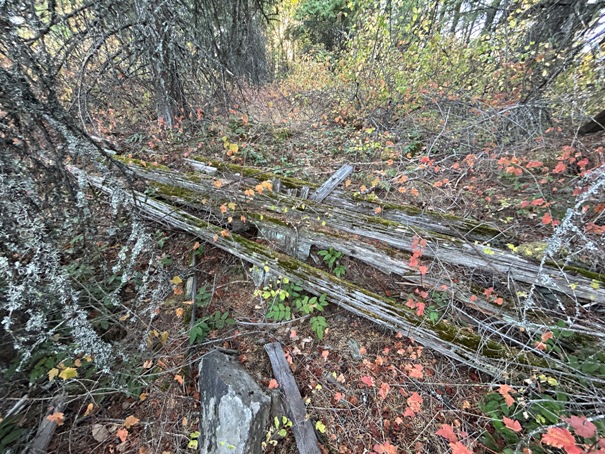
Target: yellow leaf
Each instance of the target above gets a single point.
(320, 426)
(215, 238)
(68, 372)
(89, 409)
(347, 183)
(233, 147)
(176, 280)
(53, 373)
(179, 312)
(130, 421)
(231, 205)
(56, 417)
(164, 337)
(595, 284)
(143, 396)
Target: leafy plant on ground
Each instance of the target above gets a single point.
(331, 258)
(284, 299)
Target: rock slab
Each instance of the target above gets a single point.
(234, 409)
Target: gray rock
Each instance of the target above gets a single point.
(234, 409)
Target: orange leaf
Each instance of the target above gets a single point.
(378, 210)
(324, 354)
(581, 426)
(505, 391)
(179, 379)
(384, 390)
(447, 432)
(217, 184)
(560, 437)
(546, 219)
(385, 448)
(273, 384)
(122, 434)
(338, 397)
(459, 448)
(367, 380)
(414, 404)
(513, 425)
(130, 421)
(56, 417)
(223, 208)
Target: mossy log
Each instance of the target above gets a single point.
(404, 214)
(460, 344)
(343, 222)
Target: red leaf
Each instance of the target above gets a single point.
(560, 168)
(505, 391)
(273, 384)
(447, 432)
(513, 425)
(546, 219)
(560, 437)
(122, 434)
(367, 380)
(385, 448)
(423, 269)
(384, 390)
(459, 448)
(581, 426)
(414, 403)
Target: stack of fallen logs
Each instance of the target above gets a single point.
(272, 222)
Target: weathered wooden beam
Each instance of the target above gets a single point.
(328, 187)
(302, 428)
(404, 214)
(460, 344)
(444, 248)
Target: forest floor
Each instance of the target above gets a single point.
(372, 390)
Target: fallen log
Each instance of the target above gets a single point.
(404, 214)
(460, 344)
(315, 217)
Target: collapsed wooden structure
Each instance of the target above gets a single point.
(274, 223)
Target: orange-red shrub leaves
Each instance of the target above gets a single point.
(414, 404)
(446, 431)
(581, 426)
(513, 425)
(562, 438)
(505, 391)
(459, 448)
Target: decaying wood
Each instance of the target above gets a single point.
(302, 428)
(328, 187)
(462, 345)
(46, 429)
(403, 214)
(340, 223)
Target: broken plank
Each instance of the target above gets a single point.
(325, 189)
(302, 428)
